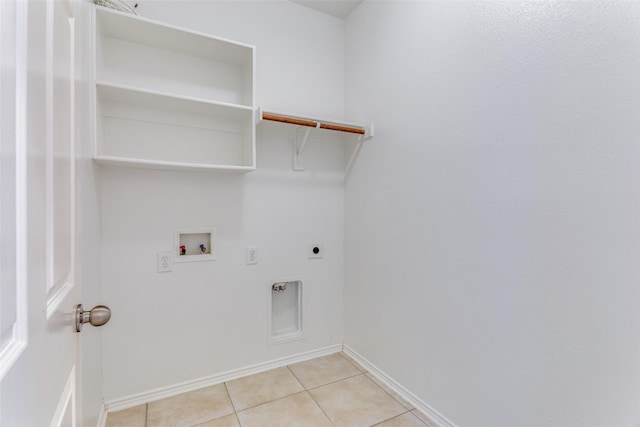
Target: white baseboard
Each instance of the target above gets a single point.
(102, 418)
(434, 417)
(161, 393)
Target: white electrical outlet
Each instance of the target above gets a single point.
(165, 262)
(252, 255)
(315, 250)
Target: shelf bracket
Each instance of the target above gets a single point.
(368, 134)
(302, 136)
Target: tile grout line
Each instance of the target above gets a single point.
(233, 405)
(391, 395)
(369, 375)
(413, 412)
(394, 398)
(304, 389)
(337, 381)
(353, 362)
(274, 400)
(238, 419)
(312, 398)
(296, 377)
(364, 372)
(388, 419)
(268, 401)
(376, 385)
(321, 408)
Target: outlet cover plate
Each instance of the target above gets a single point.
(252, 255)
(165, 261)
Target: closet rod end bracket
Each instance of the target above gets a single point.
(368, 132)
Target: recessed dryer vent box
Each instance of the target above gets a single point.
(195, 244)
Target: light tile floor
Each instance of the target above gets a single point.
(329, 391)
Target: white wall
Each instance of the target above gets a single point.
(205, 318)
(300, 52)
(493, 225)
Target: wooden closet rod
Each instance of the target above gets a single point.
(311, 123)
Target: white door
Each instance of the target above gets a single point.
(39, 353)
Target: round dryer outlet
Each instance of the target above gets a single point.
(315, 250)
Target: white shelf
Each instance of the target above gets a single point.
(166, 97)
(139, 52)
(189, 103)
(162, 130)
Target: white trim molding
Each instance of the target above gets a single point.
(13, 15)
(164, 392)
(67, 404)
(58, 289)
(102, 417)
(434, 417)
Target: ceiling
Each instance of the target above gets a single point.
(337, 8)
